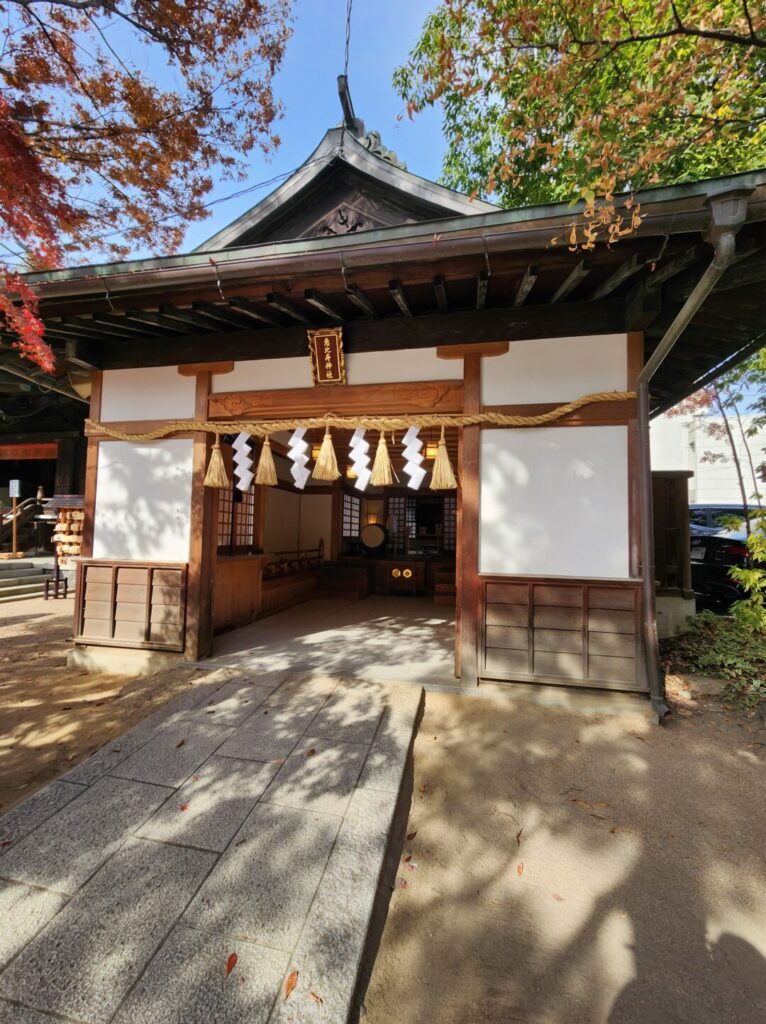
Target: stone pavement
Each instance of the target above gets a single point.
(253, 815)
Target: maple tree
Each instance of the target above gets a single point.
(581, 99)
(114, 114)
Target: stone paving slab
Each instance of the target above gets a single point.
(170, 757)
(270, 734)
(86, 959)
(209, 808)
(33, 811)
(233, 704)
(23, 912)
(276, 857)
(320, 775)
(10, 1014)
(187, 982)
(66, 849)
(277, 860)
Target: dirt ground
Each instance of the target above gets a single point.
(51, 717)
(565, 869)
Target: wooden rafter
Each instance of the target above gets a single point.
(286, 306)
(525, 285)
(397, 294)
(578, 274)
(623, 273)
(322, 303)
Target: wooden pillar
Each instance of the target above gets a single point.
(468, 555)
(65, 466)
(91, 467)
(202, 553)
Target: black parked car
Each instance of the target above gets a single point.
(712, 557)
(709, 519)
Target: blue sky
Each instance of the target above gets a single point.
(382, 34)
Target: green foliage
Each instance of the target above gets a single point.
(546, 102)
(750, 612)
(724, 648)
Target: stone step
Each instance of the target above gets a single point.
(10, 565)
(21, 591)
(21, 574)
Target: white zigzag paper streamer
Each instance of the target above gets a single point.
(243, 463)
(298, 452)
(413, 467)
(359, 454)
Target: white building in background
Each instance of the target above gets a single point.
(682, 442)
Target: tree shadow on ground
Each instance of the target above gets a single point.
(577, 869)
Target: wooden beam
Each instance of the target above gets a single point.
(397, 294)
(221, 314)
(91, 471)
(361, 301)
(248, 309)
(193, 369)
(79, 329)
(318, 301)
(345, 400)
(574, 278)
(457, 328)
(624, 272)
(140, 316)
(525, 285)
(487, 348)
(468, 581)
(204, 508)
(119, 322)
(286, 306)
(186, 316)
(675, 266)
(482, 287)
(76, 355)
(440, 291)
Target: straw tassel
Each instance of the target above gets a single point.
(266, 473)
(326, 465)
(216, 475)
(442, 475)
(382, 475)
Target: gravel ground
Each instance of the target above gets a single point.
(51, 716)
(569, 869)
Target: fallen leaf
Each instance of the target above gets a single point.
(520, 868)
(613, 828)
(411, 835)
(239, 842)
(195, 778)
(408, 858)
(557, 897)
(518, 836)
(599, 816)
(290, 984)
(601, 803)
(231, 963)
(310, 752)
(403, 883)
(317, 999)
(180, 743)
(7, 842)
(279, 762)
(184, 807)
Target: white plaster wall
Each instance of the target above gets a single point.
(148, 393)
(361, 368)
(400, 365)
(143, 501)
(554, 502)
(555, 369)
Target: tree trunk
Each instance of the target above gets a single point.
(734, 455)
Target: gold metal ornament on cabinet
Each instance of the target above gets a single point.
(407, 574)
(396, 573)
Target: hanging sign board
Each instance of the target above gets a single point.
(14, 488)
(326, 350)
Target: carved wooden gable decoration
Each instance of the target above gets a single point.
(350, 183)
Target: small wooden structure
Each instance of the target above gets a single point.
(447, 305)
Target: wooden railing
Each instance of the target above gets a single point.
(131, 604)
